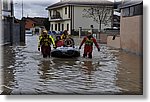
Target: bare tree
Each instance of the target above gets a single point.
(100, 14)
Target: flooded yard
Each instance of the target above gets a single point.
(110, 71)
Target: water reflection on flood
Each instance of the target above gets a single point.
(109, 72)
(130, 73)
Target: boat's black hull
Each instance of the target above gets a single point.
(65, 54)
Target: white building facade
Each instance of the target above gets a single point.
(7, 10)
(68, 15)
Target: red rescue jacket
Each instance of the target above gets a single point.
(89, 44)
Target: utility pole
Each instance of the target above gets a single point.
(12, 10)
(22, 8)
(11, 22)
(22, 28)
(1, 26)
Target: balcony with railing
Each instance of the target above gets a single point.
(56, 17)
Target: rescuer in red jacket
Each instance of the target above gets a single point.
(88, 47)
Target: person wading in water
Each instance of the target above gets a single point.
(44, 44)
(88, 47)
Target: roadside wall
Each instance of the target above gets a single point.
(113, 43)
(131, 34)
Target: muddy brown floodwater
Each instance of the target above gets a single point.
(110, 71)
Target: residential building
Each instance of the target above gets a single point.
(131, 26)
(68, 15)
(12, 32)
(35, 24)
(29, 24)
(116, 21)
(0, 23)
(7, 21)
(32, 22)
(7, 9)
(39, 21)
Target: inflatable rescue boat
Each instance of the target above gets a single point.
(65, 52)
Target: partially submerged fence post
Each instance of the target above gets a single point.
(80, 30)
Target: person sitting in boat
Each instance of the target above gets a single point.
(88, 47)
(69, 42)
(59, 42)
(64, 35)
(44, 44)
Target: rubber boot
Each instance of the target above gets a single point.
(44, 55)
(84, 55)
(90, 55)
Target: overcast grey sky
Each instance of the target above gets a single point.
(32, 8)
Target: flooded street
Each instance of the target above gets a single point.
(111, 71)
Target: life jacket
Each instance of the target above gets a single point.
(45, 41)
(59, 43)
(63, 36)
(89, 42)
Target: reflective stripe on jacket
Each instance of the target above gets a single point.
(46, 41)
(63, 36)
(89, 42)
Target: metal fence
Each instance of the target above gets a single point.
(6, 32)
(16, 33)
(12, 33)
(101, 37)
(84, 32)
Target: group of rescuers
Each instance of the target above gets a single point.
(65, 40)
